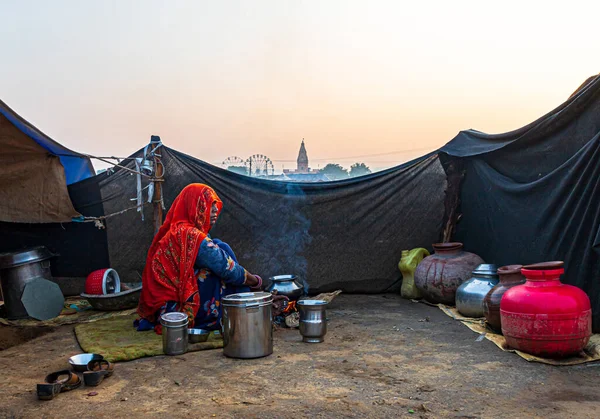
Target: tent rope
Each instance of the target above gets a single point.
(152, 178)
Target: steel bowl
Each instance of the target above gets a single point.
(80, 362)
(198, 335)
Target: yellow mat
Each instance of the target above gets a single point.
(117, 340)
(82, 313)
(592, 349)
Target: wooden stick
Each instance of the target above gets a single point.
(455, 174)
(158, 174)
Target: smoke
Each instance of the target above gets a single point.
(285, 236)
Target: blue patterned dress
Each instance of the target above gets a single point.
(219, 274)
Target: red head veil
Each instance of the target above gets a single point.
(169, 271)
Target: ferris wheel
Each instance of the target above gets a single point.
(260, 165)
(233, 161)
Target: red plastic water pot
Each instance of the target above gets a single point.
(545, 317)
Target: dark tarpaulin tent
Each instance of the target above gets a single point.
(533, 194)
(529, 195)
(34, 173)
(347, 234)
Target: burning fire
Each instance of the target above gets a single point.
(291, 307)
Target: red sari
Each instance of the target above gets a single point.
(169, 271)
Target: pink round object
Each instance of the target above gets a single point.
(545, 317)
(102, 282)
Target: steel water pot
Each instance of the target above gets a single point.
(288, 285)
(247, 325)
(313, 320)
(471, 293)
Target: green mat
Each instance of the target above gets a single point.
(117, 340)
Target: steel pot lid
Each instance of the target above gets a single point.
(283, 278)
(174, 319)
(312, 303)
(42, 299)
(34, 254)
(486, 269)
(245, 298)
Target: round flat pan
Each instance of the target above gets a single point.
(42, 299)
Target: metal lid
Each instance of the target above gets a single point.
(244, 298)
(312, 302)
(283, 278)
(34, 254)
(42, 299)
(174, 319)
(485, 269)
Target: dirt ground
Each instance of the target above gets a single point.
(381, 358)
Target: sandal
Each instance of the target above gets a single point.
(97, 371)
(53, 385)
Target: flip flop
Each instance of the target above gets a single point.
(97, 371)
(53, 386)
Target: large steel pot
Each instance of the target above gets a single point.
(287, 285)
(17, 269)
(247, 328)
(471, 293)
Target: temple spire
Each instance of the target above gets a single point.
(302, 159)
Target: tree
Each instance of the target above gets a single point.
(334, 171)
(242, 170)
(359, 169)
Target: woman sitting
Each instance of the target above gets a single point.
(186, 270)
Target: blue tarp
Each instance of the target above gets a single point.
(77, 167)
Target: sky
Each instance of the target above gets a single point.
(236, 78)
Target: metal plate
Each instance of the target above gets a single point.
(34, 254)
(42, 299)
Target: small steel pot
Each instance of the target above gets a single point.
(174, 333)
(313, 320)
(471, 293)
(287, 285)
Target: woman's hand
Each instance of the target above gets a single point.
(254, 282)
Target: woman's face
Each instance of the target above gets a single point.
(214, 212)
